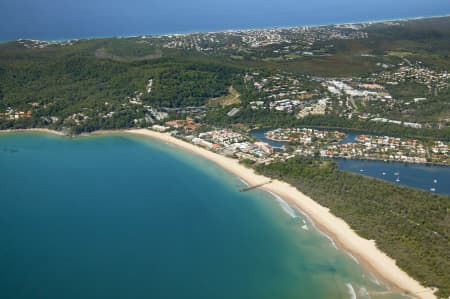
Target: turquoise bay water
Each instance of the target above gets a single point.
(123, 217)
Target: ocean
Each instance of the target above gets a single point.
(64, 19)
(127, 217)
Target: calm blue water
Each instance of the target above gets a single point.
(260, 134)
(122, 217)
(63, 19)
(412, 175)
(350, 136)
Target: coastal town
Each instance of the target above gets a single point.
(366, 99)
(308, 142)
(377, 97)
(311, 142)
(296, 95)
(394, 93)
(284, 43)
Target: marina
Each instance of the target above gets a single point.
(426, 177)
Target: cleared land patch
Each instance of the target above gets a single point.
(233, 98)
(103, 53)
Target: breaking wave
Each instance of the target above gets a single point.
(351, 291)
(353, 257)
(244, 182)
(285, 206)
(329, 238)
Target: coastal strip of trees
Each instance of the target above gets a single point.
(410, 225)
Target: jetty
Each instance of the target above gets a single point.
(254, 186)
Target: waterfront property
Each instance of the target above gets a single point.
(416, 175)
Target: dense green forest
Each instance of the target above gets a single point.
(98, 76)
(192, 86)
(62, 82)
(407, 224)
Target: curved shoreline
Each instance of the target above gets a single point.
(347, 239)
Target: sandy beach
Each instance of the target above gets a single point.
(364, 250)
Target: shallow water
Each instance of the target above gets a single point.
(126, 217)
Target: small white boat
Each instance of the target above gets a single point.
(384, 173)
(398, 179)
(361, 170)
(435, 181)
(432, 189)
(396, 173)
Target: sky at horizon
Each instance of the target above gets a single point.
(60, 19)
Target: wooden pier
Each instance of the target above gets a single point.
(254, 186)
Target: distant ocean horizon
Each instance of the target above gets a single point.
(62, 39)
(62, 20)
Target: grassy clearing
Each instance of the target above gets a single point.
(103, 53)
(399, 53)
(233, 98)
